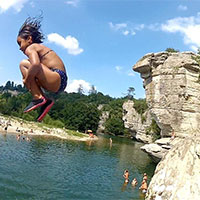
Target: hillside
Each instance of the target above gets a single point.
(75, 111)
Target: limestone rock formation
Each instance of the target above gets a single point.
(104, 116)
(177, 176)
(158, 149)
(171, 82)
(133, 121)
(172, 86)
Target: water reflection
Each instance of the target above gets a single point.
(127, 151)
(124, 187)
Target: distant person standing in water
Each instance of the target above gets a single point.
(126, 176)
(134, 182)
(145, 177)
(143, 186)
(110, 143)
(42, 69)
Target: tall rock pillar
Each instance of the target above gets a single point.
(172, 86)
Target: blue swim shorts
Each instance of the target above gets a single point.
(63, 77)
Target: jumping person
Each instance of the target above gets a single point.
(43, 68)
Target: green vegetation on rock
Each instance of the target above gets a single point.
(154, 130)
(172, 50)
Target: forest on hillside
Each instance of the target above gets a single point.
(75, 111)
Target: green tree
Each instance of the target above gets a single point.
(93, 90)
(115, 126)
(8, 85)
(172, 50)
(74, 111)
(80, 89)
(131, 92)
(140, 105)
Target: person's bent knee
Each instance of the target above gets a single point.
(24, 63)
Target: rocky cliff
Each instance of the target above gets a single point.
(171, 82)
(135, 123)
(172, 86)
(104, 116)
(177, 175)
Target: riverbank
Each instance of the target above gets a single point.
(21, 127)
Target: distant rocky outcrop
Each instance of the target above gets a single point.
(172, 86)
(137, 124)
(104, 116)
(12, 92)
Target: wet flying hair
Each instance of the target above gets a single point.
(31, 27)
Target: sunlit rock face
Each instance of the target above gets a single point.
(172, 86)
(134, 123)
(101, 126)
(177, 175)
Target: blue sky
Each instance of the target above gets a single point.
(100, 40)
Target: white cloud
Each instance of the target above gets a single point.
(123, 71)
(15, 4)
(188, 27)
(131, 73)
(126, 28)
(133, 33)
(182, 8)
(154, 27)
(194, 48)
(125, 32)
(70, 43)
(139, 27)
(117, 27)
(72, 2)
(75, 85)
(118, 68)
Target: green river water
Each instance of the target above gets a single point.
(49, 168)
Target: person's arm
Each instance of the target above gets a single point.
(35, 64)
(124, 175)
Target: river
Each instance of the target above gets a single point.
(49, 168)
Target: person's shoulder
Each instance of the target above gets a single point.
(32, 47)
(37, 46)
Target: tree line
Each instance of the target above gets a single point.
(75, 111)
